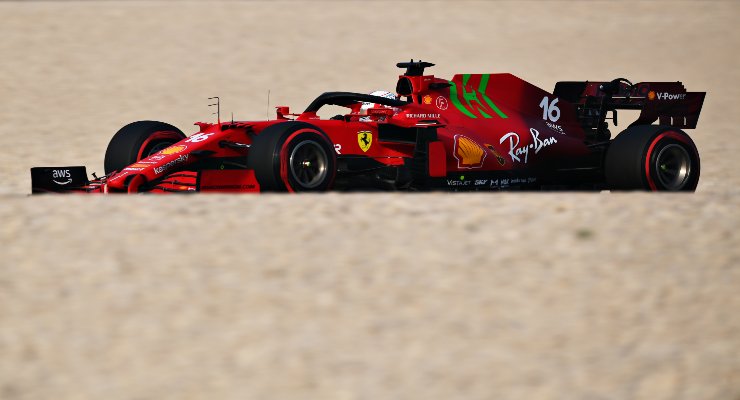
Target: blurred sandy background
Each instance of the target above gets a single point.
(362, 296)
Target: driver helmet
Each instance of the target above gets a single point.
(366, 105)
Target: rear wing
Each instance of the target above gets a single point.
(666, 102)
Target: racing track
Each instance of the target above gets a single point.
(361, 296)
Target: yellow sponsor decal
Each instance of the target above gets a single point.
(501, 160)
(365, 140)
(651, 95)
(469, 153)
(173, 149)
(427, 99)
(137, 165)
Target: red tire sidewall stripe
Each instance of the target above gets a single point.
(648, 156)
(159, 135)
(284, 155)
(284, 158)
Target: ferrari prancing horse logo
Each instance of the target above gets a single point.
(365, 140)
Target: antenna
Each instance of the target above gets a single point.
(218, 107)
(268, 104)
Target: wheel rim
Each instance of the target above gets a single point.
(673, 166)
(308, 162)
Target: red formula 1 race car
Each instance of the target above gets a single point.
(473, 132)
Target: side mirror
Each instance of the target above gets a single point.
(380, 112)
(282, 111)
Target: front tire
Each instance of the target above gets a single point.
(139, 140)
(293, 157)
(653, 158)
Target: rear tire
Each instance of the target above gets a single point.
(139, 140)
(654, 158)
(294, 157)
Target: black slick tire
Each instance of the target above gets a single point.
(653, 158)
(293, 156)
(138, 140)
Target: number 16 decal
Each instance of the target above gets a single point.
(550, 110)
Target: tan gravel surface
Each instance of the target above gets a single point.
(357, 296)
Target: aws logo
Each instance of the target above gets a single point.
(63, 175)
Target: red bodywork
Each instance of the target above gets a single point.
(491, 131)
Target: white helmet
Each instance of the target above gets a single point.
(380, 93)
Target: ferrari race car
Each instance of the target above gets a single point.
(472, 132)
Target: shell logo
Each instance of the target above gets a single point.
(469, 153)
(173, 149)
(427, 99)
(651, 95)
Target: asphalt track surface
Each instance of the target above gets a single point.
(357, 296)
